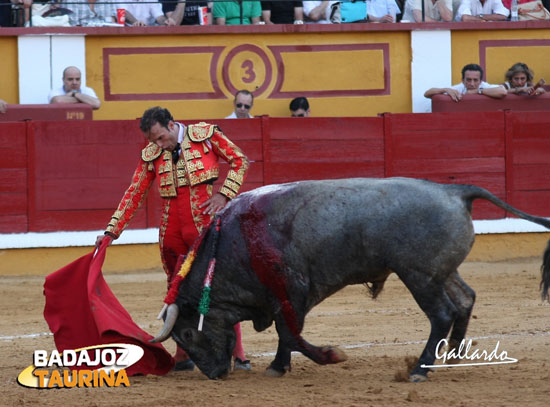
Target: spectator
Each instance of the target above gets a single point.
(434, 11)
(3, 106)
(317, 11)
(481, 10)
(471, 84)
(229, 12)
(283, 12)
(85, 12)
(187, 12)
(519, 80)
(299, 107)
(243, 102)
(140, 13)
(5, 12)
(72, 90)
(378, 11)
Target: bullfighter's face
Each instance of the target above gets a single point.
(210, 349)
(164, 137)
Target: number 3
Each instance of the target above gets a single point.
(248, 67)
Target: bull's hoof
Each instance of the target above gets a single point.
(417, 378)
(335, 355)
(273, 372)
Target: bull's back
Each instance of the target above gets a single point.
(350, 230)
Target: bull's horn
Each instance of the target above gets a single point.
(171, 317)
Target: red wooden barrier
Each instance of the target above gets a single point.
(324, 148)
(13, 178)
(480, 103)
(528, 162)
(58, 111)
(73, 174)
(458, 148)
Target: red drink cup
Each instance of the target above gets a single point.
(121, 15)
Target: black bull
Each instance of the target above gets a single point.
(283, 249)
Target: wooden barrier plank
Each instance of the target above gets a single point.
(13, 145)
(297, 171)
(13, 223)
(93, 219)
(448, 143)
(327, 150)
(326, 128)
(533, 202)
(445, 121)
(421, 167)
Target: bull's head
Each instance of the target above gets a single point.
(210, 349)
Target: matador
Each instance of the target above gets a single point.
(185, 162)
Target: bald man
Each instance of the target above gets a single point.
(72, 90)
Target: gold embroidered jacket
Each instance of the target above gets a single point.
(202, 146)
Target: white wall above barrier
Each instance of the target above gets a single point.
(42, 59)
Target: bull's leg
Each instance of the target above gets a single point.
(281, 363)
(290, 340)
(440, 310)
(463, 298)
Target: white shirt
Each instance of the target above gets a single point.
(146, 12)
(475, 8)
(379, 8)
(234, 116)
(310, 5)
(430, 9)
(61, 92)
(463, 90)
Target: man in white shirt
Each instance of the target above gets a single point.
(481, 10)
(380, 11)
(434, 11)
(72, 90)
(244, 100)
(318, 11)
(141, 13)
(471, 84)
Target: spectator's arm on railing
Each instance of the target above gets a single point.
(318, 13)
(178, 13)
(3, 106)
(298, 14)
(453, 93)
(266, 16)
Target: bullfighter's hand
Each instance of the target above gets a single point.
(100, 239)
(214, 204)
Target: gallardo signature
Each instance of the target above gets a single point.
(464, 352)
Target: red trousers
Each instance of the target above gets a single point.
(181, 222)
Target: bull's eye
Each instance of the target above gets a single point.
(188, 335)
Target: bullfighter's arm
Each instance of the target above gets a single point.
(237, 161)
(133, 197)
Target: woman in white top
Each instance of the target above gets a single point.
(519, 80)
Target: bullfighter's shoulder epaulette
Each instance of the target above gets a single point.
(151, 152)
(200, 132)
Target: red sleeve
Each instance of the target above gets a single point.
(238, 163)
(132, 199)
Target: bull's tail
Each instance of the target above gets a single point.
(471, 192)
(545, 271)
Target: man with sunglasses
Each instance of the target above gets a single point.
(244, 100)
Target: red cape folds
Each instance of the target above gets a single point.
(81, 310)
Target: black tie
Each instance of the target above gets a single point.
(176, 153)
